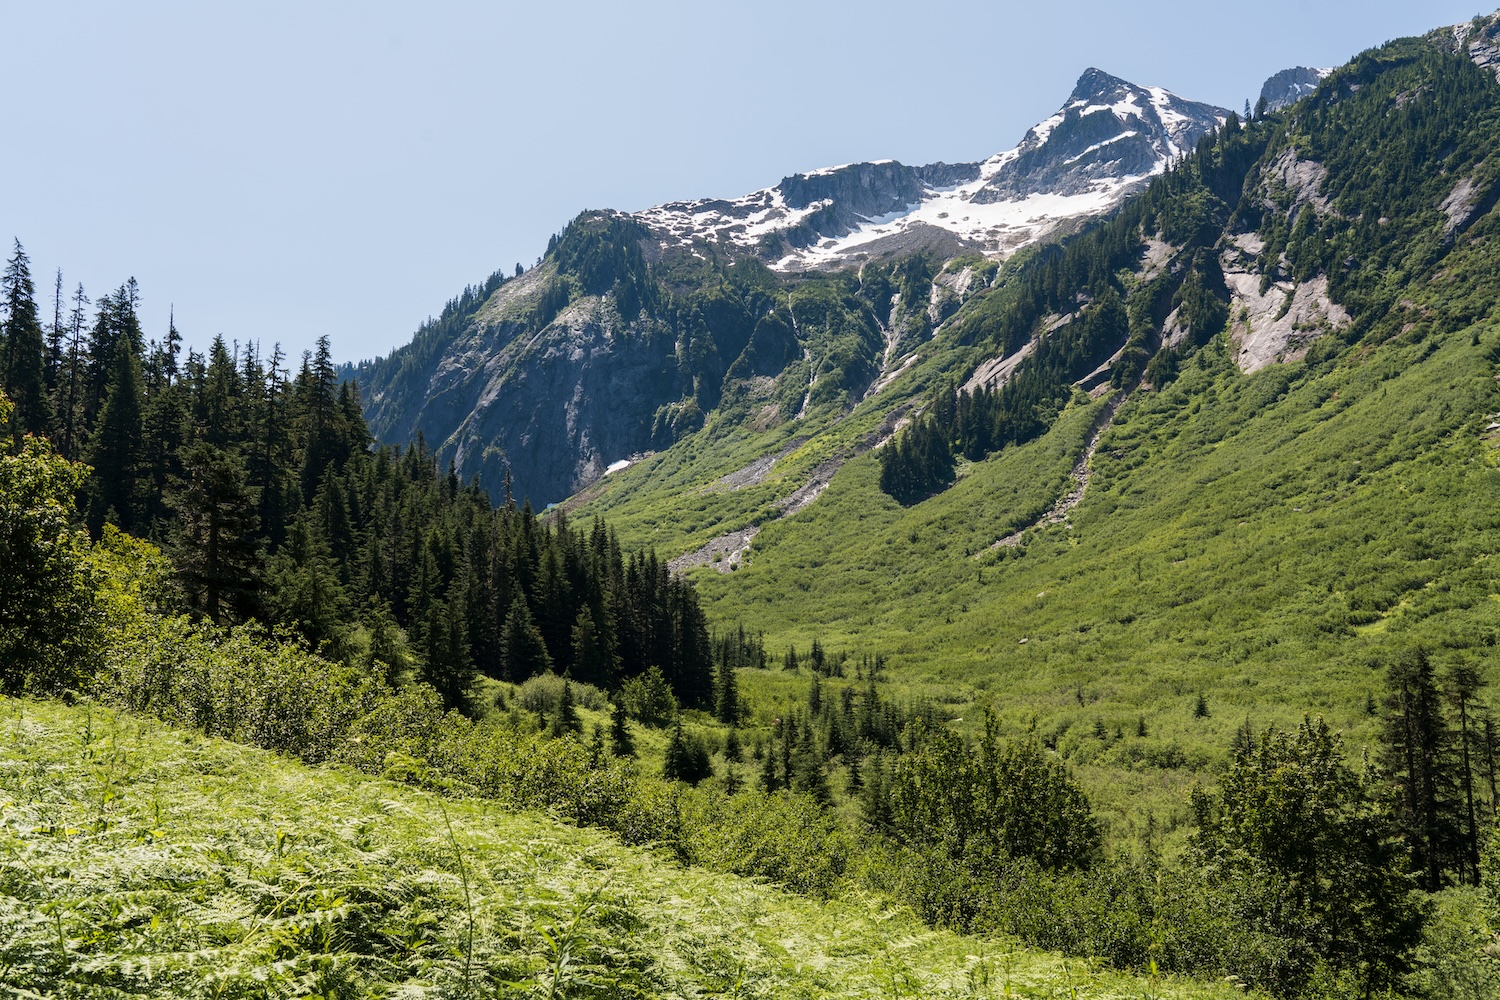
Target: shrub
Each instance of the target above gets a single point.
(543, 693)
(648, 698)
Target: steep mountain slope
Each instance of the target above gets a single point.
(1252, 410)
(637, 328)
(1240, 445)
(1289, 86)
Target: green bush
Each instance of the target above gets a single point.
(648, 698)
(543, 693)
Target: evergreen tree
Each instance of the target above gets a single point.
(216, 552)
(525, 651)
(70, 389)
(116, 330)
(566, 720)
(1418, 755)
(727, 708)
(1463, 687)
(24, 349)
(164, 432)
(874, 802)
(808, 774)
(686, 759)
(594, 660)
(620, 742)
(1306, 859)
(447, 666)
(116, 448)
(302, 579)
(768, 780)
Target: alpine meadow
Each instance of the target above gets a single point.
(1071, 573)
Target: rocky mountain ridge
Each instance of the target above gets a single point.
(1106, 141)
(795, 305)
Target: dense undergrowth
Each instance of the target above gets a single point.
(141, 860)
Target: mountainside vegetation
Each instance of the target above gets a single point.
(265, 490)
(1132, 598)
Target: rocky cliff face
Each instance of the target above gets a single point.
(1290, 86)
(550, 407)
(1478, 39)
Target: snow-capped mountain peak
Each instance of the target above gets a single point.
(1103, 144)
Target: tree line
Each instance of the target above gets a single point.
(265, 488)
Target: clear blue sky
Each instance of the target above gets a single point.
(283, 171)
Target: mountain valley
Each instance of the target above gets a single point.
(1074, 572)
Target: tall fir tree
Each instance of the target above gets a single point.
(115, 451)
(1418, 755)
(24, 349)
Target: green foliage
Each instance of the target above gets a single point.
(918, 463)
(525, 651)
(47, 619)
(687, 757)
(994, 801)
(143, 860)
(648, 698)
(544, 693)
(565, 720)
(22, 351)
(621, 743)
(1299, 847)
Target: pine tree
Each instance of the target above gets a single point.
(727, 708)
(594, 660)
(116, 447)
(1418, 755)
(302, 580)
(807, 772)
(566, 720)
(56, 330)
(116, 331)
(686, 758)
(875, 803)
(70, 388)
(525, 651)
(216, 553)
(24, 357)
(620, 742)
(448, 667)
(1464, 685)
(768, 782)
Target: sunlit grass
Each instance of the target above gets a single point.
(140, 860)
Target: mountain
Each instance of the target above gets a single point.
(1236, 437)
(1289, 86)
(1103, 144)
(618, 344)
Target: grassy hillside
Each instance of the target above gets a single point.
(136, 859)
(1265, 541)
(1250, 548)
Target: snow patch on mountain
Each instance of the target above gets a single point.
(1104, 144)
